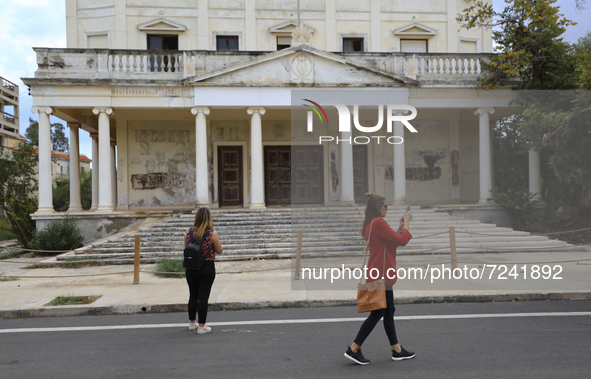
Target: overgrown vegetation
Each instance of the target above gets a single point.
(73, 300)
(61, 192)
(4, 278)
(18, 190)
(170, 266)
(533, 56)
(59, 235)
(74, 262)
(5, 229)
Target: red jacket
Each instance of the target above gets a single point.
(383, 235)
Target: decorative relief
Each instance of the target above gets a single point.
(444, 93)
(147, 91)
(301, 35)
(302, 68)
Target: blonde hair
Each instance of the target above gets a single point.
(372, 209)
(202, 223)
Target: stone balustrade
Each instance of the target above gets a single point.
(178, 65)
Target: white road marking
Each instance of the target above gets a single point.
(295, 321)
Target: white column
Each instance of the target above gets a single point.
(75, 200)
(201, 172)
(105, 203)
(399, 166)
(113, 162)
(257, 177)
(347, 187)
(95, 171)
(45, 184)
(535, 185)
(485, 154)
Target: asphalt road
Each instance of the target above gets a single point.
(522, 344)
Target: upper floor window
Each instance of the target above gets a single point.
(352, 44)
(227, 43)
(283, 42)
(163, 42)
(414, 46)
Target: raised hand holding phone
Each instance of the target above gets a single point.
(402, 220)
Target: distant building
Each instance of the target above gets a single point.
(9, 125)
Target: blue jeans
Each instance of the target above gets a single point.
(375, 316)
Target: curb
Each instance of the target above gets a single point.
(74, 310)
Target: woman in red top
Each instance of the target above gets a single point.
(382, 235)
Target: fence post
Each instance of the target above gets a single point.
(136, 260)
(298, 256)
(452, 247)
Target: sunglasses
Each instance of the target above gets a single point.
(385, 206)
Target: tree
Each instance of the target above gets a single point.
(531, 52)
(61, 192)
(58, 136)
(18, 188)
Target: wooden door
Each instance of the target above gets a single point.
(360, 174)
(307, 175)
(278, 175)
(230, 182)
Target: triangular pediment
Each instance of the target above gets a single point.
(301, 65)
(287, 27)
(415, 29)
(162, 24)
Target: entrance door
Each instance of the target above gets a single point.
(360, 180)
(230, 183)
(278, 175)
(308, 175)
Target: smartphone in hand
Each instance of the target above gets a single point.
(407, 210)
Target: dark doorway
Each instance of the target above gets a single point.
(230, 182)
(308, 175)
(278, 175)
(360, 180)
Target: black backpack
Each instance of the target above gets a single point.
(192, 256)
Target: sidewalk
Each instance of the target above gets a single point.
(268, 284)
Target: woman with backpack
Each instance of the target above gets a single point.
(201, 280)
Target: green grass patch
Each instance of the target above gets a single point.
(73, 300)
(4, 278)
(73, 263)
(6, 235)
(173, 268)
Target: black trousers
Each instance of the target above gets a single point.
(375, 316)
(200, 282)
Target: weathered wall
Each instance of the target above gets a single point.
(161, 163)
(469, 162)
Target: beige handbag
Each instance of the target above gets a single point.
(371, 296)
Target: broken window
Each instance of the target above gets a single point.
(227, 43)
(352, 44)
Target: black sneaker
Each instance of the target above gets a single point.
(402, 355)
(356, 357)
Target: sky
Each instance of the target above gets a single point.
(42, 23)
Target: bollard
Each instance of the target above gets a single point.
(298, 256)
(136, 261)
(452, 247)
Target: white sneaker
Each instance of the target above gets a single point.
(203, 330)
(192, 327)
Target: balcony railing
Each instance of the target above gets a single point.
(8, 84)
(178, 65)
(8, 117)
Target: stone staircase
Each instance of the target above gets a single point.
(272, 233)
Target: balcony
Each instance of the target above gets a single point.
(8, 97)
(106, 65)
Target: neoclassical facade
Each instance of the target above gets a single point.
(189, 103)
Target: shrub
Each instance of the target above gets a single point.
(518, 205)
(59, 235)
(170, 265)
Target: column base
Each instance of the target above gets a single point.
(104, 209)
(75, 209)
(400, 201)
(486, 202)
(45, 211)
(199, 205)
(347, 203)
(257, 206)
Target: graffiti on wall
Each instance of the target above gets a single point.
(156, 180)
(147, 136)
(455, 175)
(431, 172)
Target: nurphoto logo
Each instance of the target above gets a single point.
(394, 112)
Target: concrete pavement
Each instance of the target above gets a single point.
(269, 283)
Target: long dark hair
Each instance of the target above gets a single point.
(202, 223)
(372, 209)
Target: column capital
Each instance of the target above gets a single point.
(197, 110)
(108, 110)
(47, 110)
(259, 110)
(93, 135)
(484, 110)
(74, 124)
